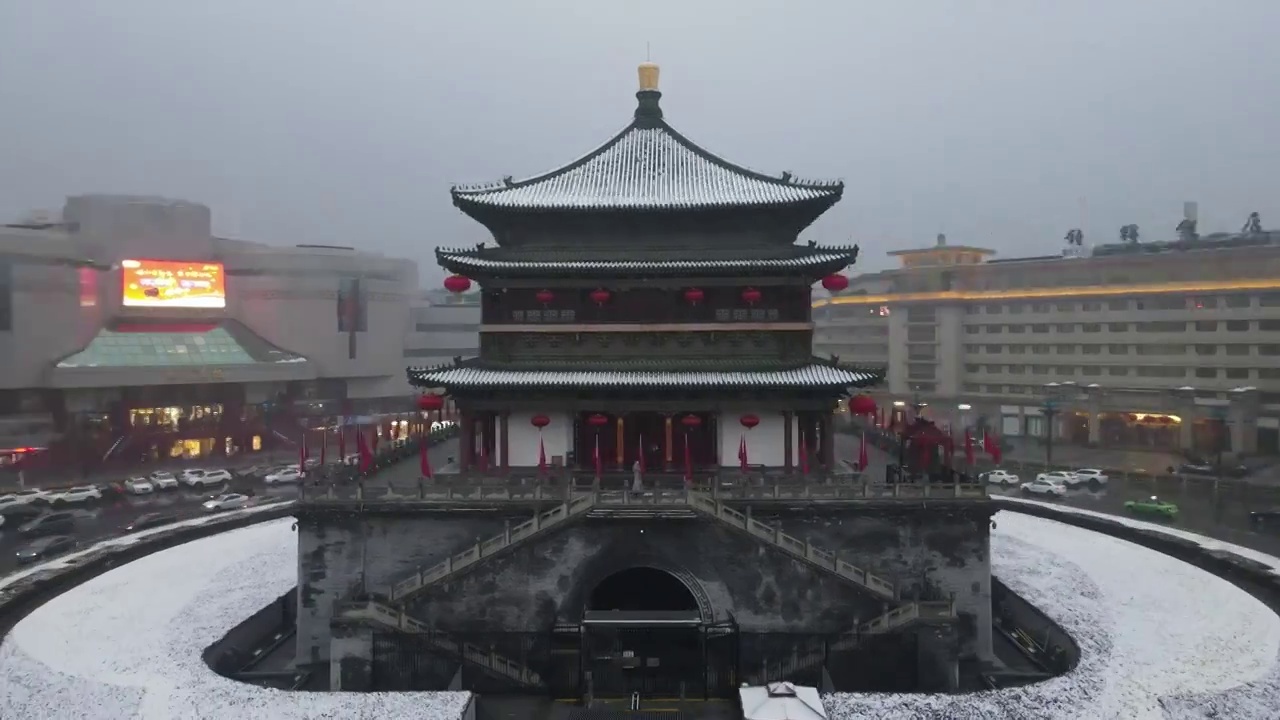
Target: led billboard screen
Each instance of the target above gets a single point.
(173, 284)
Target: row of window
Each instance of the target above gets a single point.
(1156, 326)
(568, 315)
(1234, 350)
(1146, 371)
(1157, 302)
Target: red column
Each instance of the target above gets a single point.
(788, 421)
(506, 441)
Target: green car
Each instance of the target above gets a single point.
(1154, 506)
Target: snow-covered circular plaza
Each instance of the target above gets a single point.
(1159, 639)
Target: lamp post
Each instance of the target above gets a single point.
(1220, 442)
(1049, 409)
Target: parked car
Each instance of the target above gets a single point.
(1066, 477)
(205, 478)
(163, 480)
(149, 520)
(139, 486)
(75, 495)
(54, 523)
(1095, 478)
(284, 475)
(31, 496)
(1210, 470)
(999, 477)
(20, 512)
(1154, 506)
(1043, 485)
(254, 472)
(230, 501)
(45, 548)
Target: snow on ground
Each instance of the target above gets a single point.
(1159, 637)
(128, 643)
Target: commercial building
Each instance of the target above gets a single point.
(1134, 345)
(129, 331)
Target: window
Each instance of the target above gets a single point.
(1237, 373)
(1039, 370)
(1267, 350)
(1091, 327)
(1017, 329)
(1117, 304)
(994, 368)
(1040, 329)
(1040, 349)
(1206, 349)
(921, 334)
(971, 309)
(972, 348)
(919, 371)
(1161, 326)
(1017, 349)
(1164, 349)
(1117, 349)
(1066, 307)
(1206, 325)
(994, 349)
(973, 368)
(1091, 349)
(1017, 369)
(1117, 371)
(972, 329)
(1117, 327)
(1091, 371)
(1237, 350)
(1162, 371)
(1206, 373)
(352, 310)
(1269, 300)
(971, 387)
(1238, 325)
(1269, 373)
(1162, 303)
(1269, 325)
(1015, 309)
(1066, 349)
(994, 309)
(1204, 303)
(1066, 327)
(922, 352)
(921, 314)
(1091, 306)
(1237, 301)
(993, 329)
(1040, 308)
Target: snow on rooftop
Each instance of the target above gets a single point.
(91, 654)
(1159, 637)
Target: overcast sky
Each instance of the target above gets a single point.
(1002, 124)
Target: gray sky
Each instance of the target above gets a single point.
(345, 121)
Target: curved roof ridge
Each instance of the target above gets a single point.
(502, 185)
(785, 179)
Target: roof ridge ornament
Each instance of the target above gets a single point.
(648, 111)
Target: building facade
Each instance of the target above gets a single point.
(1161, 345)
(645, 320)
(128, 330)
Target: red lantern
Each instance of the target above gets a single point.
(597, 420)
(540, 421)
(693, 296)
(862, 405)
(691, 421)
(835, 283)
(429, 403)
(457, 284)
(749, 421)
(545, 297)
(751, 296)
(600, 296)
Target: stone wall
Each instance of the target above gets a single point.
(947, 547)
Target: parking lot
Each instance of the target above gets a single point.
(106, 518)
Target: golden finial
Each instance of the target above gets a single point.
(648, 76)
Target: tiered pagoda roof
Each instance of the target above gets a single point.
(648, 373)
(518, 262)
(648, 166)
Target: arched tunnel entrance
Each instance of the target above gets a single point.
(645, 633)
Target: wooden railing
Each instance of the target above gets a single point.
(429, 494)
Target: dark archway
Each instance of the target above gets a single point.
(643, 589)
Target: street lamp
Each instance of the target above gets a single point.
(1220, 442)
(1049, 409)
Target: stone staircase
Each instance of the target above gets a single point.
(377, 614)
(676, 504)
(899, 618)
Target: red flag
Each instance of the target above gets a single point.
(968, 447)
(324, 443)
(542, 456)
(596, 457)
(424, 462)
(742, 452)
(688, 461)
(804, 454)
(862, 453)
(362, 447)
(991, 446)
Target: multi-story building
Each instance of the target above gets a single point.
(1166, 345)
(128, 330)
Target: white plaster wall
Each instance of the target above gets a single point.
(766, 442)
(522, 443)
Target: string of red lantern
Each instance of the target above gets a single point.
(539, 421)
(600, 296)
(693, 296)
(835, 282)
(751, 296)
(691, 421)
(862, 405)
(457, 284)
(545, 297)
(597, 420)
(749, 421)
(428, 403)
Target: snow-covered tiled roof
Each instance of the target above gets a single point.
(463, 261)
(648, 168)
(813, 375)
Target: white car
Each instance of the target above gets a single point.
(1000, 477)
(226, 502)
(81, 494)
(205, 478)
(1092, 476)
(27, 497)
(139, 486)
(283, 475)
(1064, 477)
(163, 480)
(1045, 486)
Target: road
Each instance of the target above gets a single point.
(1221, 514)
(107, 519)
